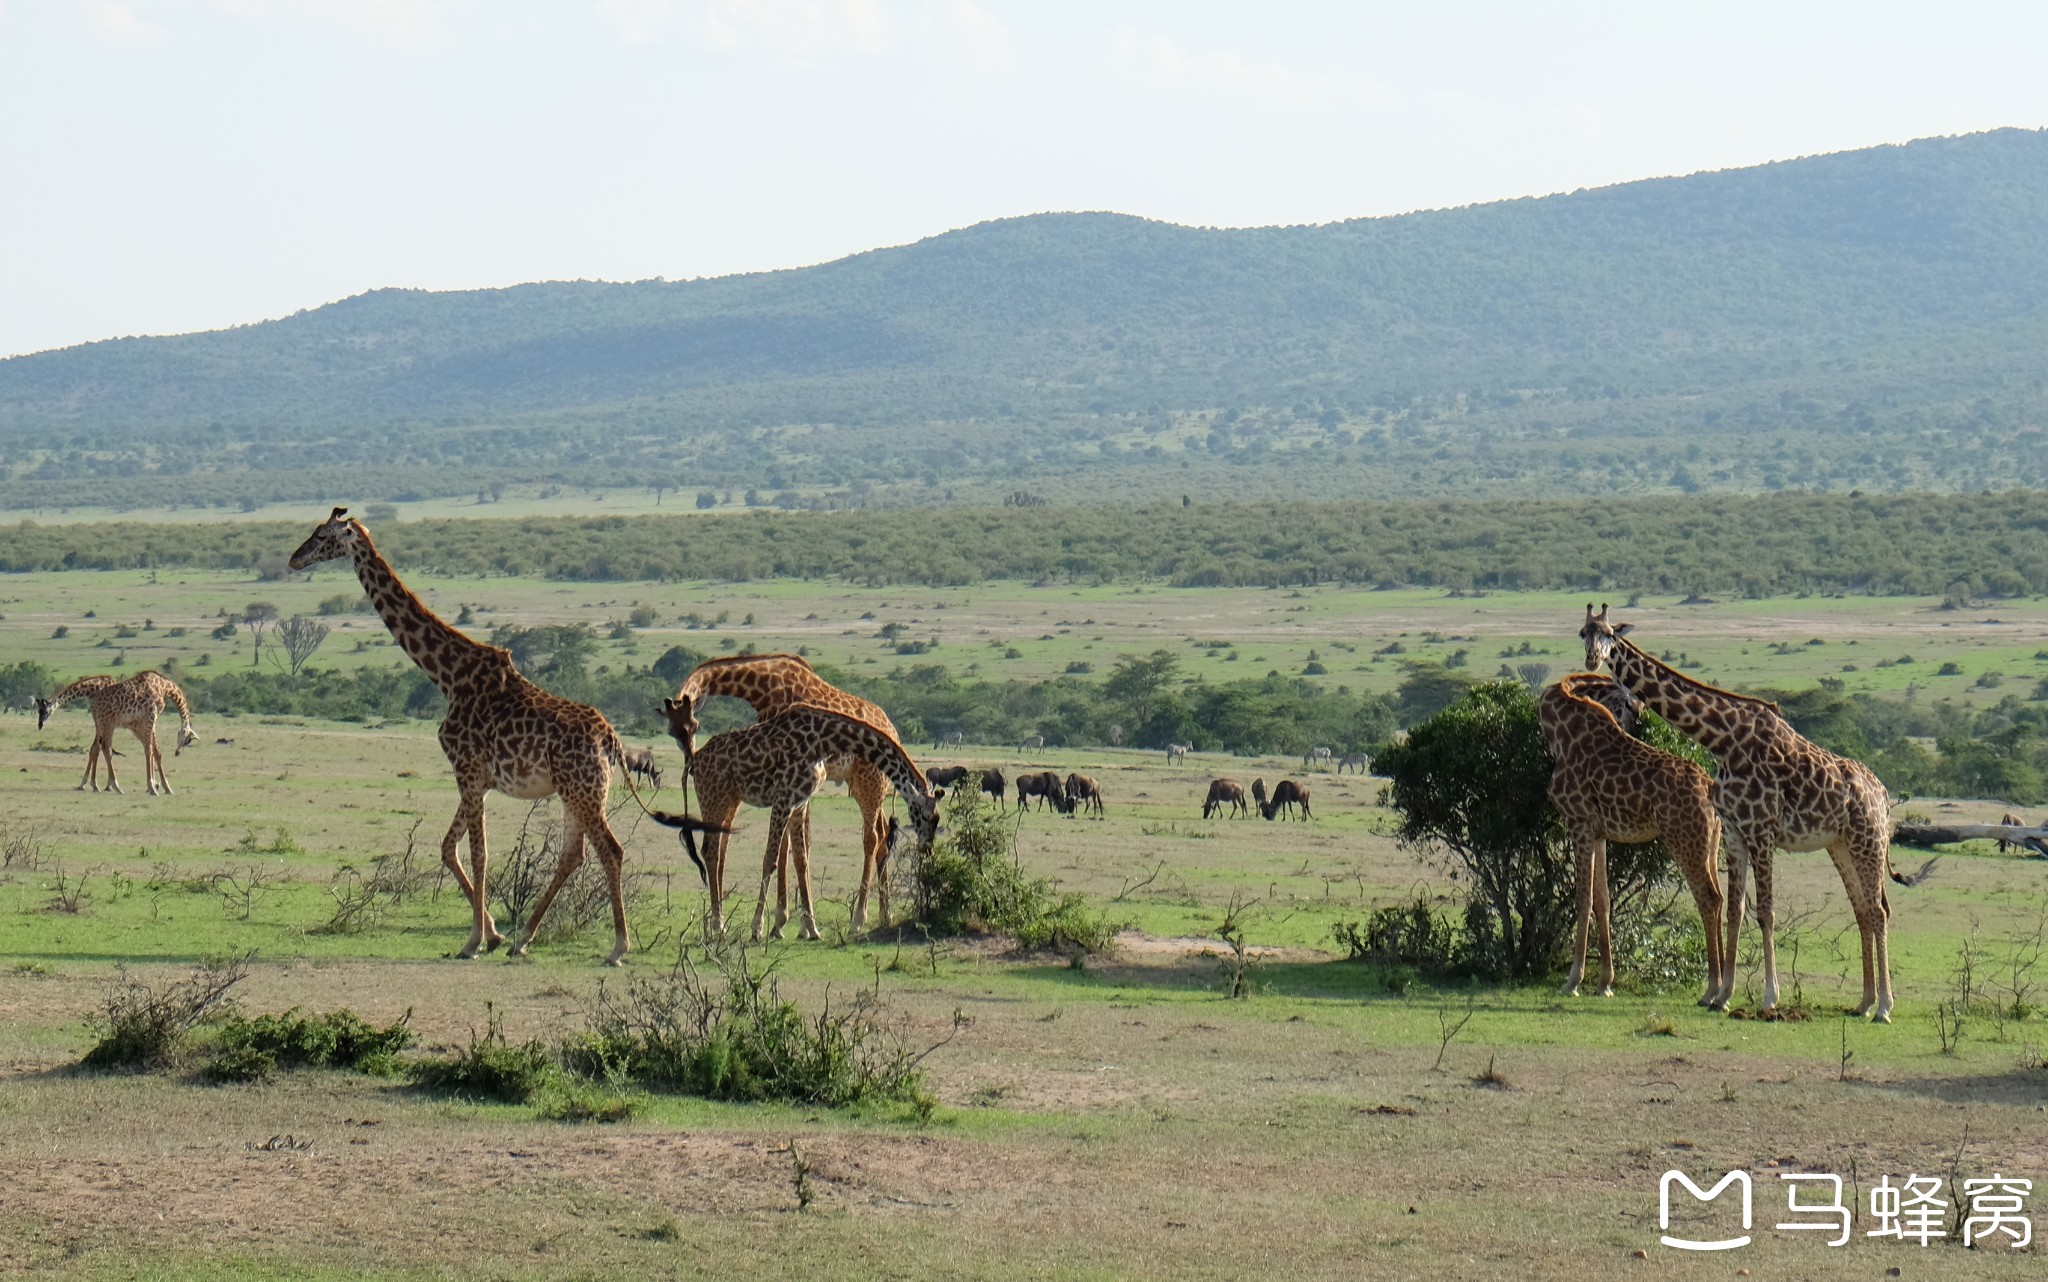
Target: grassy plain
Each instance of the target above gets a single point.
(1121, 1119)
(1220, 633)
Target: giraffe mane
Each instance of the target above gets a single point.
(735, 660)
(1689, 679)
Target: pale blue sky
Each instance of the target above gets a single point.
(172, 165)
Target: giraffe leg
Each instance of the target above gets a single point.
(152, 760)
(451, 858)
(1738, 902)
(1861, 862)
(799, 853)
(92, 767)
(1582, 847)
(870, 791)
(613, 856)
(1603, 908)
(1696, 862)
(565, 867)
(778, 830)
(1766, 917)
(719, 809)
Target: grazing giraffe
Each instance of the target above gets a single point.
(502, 731)
(132, 705)
(779, 763)
(1607, 786)
(1775, 788)
(773, 684)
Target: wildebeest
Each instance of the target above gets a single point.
(946, 776)
(1085, 793)
(993, 783)
(1259, 793)
(1225, 792)
(1046, 786)
(1353, 761)
(640, 761)
(1286, 795)
(1177, 752)
(1317, 756)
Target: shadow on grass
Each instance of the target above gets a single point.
(2016, 1085)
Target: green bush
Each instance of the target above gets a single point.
(490, 1068)
(252, 1049)
(142, 1028)
(970, 881)
(729, 1034)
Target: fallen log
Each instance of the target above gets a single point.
(1928, 836)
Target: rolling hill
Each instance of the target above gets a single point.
(1870, 319)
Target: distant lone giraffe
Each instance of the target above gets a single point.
(132, 705)
(1607, 786)
(1775, 788)
(778, 763)
(773, 684)
(503, 732)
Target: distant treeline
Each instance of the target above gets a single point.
(1759, 545)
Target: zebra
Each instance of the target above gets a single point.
(1354, 760)
(949, 739)
(1315, 756)
(1115, 735)
(1177, 752)
(1032, 743)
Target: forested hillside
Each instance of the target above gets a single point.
(1871, 319)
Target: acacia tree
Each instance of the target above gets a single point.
(257, 616)
(1472, 786)
(300, 636)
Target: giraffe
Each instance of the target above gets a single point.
(775, 683)
(502, 731)
(1607, 786)
(132, 705)
(779, 763)
(1775, 788)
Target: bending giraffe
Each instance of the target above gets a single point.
(1607, 786)
(503, 732)
(1775, 788)
(773, 684)
(778, 763)
(132, 705)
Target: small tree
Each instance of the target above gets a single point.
(300, 636)
(257, 616)
(1472, 785)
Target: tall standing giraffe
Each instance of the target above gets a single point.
(773, 684)
(778, 763)
(502, 731)
(1775, 788)
(133, 705)
(1609, 785)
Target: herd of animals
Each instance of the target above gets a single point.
(1773, 790)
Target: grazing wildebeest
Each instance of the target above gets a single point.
(1084, 792)
(1287, 794)
(950, 739)
(1032, 743)
(1225, 792)
(1259, 793)
(1317, 756)
(640, 761)
(1177, 752)
(946, 776)
(993, 783)
(1353, 760)
(1046, 786)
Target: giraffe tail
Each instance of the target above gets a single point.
(689, 827)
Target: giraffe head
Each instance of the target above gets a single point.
(682, 725)
(42, 712)
(1600, 636)
(336, 537)
(187, 736)
(924, 818)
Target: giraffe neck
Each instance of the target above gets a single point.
(770, 688)
(451, 660)
(887, 756)
(83, 688)
(1720, 721)
(177, 696)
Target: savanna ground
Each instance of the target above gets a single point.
(1122, 1117)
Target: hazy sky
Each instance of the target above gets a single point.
(172, 165)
